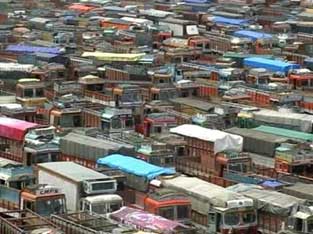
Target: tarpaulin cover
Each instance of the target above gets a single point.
(297, 121)
(201, 193)
(10, 67)
(33, 49)
(198, 1)
(271, 183)
(231, 21)
(146, 221)
(14, 129)
(114, 56)
(270, 64)
(91, 148)
(134, 166)
(258, 142)
(269, 201)
(301, 190)
(286, 133)
(222, 141)
(253, 35)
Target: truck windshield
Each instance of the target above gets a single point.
(51, 206)
(102, 208)
(232, 219)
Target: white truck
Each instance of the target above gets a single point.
(78, 183)
(180, 28)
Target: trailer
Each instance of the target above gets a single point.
(215, 208)
(75, 181)
(26, 221)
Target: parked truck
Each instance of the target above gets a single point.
(300, 223)
(215, 209)
(42, 199)
(274, 209)
(135, 186)
(75, 181)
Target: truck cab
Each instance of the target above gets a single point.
(102, 204)
(301, 222)
(238, 215)
(42, 199)
(30, 92)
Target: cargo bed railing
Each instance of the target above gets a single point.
(193, 168)
(70, 227)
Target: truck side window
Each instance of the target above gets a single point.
(218, 222)
(29, 205)
(298, 225)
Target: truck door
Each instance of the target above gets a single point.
(85, 206)
(212, 222)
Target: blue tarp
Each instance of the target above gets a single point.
(33, 49)
(253, 35)
(271, 183)
(198, 1)
(134, 166)
(270, 64)
(231, 21)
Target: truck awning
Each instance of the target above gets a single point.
(14, 129)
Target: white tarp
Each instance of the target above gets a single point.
(301, 121)
(16, 67)
(222, 141)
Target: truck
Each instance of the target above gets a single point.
(42, 199)
(179, 27)
(215, 209)
(300, 222)
(26, 221)
(274, 208)
(209, 152)
(137, 189)
(15, 175)
(75, 181)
